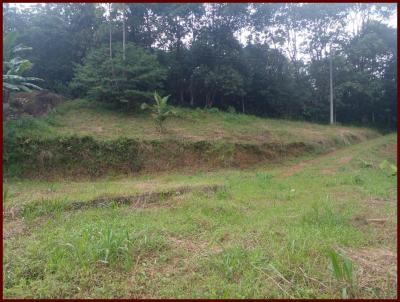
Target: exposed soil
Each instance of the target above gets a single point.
(326, 170)
(195, 247)
(143, 198)
(380, 200)
(137, 200)
(34, 103)
(390, 150)
(13, 228)
(376, 267)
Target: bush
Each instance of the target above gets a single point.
(231, 109)
(117, 81)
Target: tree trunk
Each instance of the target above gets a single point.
(109, 9)
(123, 32)
(7, 96)
(243, 104)
(191, 92)
(211, 100)
(112, 64)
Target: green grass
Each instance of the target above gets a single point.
(267, 234)
(81, 117)
(82, 140)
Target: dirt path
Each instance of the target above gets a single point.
(339, 157)
(289, 171)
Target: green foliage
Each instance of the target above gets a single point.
(388, 168)
(6, 194)
(323, 214)
(108, 246)
(231, 109)
(160, 110)
(115, 80)
(15, 67)
(342, 269)
(29, 155)
(205, 65)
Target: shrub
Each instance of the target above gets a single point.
(231, 109)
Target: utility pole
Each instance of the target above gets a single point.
(331, 87)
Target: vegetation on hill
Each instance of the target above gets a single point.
(244, 56)
(78, 138)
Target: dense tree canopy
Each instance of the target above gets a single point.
(264, 59)
(130, 80)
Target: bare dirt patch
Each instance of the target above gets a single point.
(144, 198)
(389, 150)
(380, 200)
(384, 227)
(332, 169)
(178, 264)
(139, 200)
(34, 103)
(297, 168)
(13, 228)
(195, 247)
(325, 170)
(376, 268)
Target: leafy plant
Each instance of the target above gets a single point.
(342, 269)
(6, 194)
(15, 67)
(231, 109)
(366, 164)
(160, 110)
(388, 167)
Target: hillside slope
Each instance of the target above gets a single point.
(262, 226)
(80, 139)
(83, 118)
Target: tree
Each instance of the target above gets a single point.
(363, 90)
(269, 59)
(132, 81)
(60, 35)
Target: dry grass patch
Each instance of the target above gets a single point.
(13, 228)
(376, 269)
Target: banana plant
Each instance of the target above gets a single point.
(15, 67)
(160, 111)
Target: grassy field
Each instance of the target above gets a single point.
(272, 231)
(80, 117)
